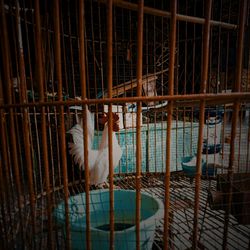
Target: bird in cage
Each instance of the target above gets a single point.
(98, 159)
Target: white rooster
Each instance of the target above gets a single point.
(98, 159)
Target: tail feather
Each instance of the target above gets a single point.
(76, 150)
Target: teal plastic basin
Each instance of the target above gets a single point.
(152, 210)
(190, 170)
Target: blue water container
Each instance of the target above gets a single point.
(189, 166)
(152, 211)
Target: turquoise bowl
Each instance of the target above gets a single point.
(190, 170)
(152, 211)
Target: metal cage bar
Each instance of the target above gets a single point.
(85, 132)
(236, 107)
(179, 17)
(61, 117)
(205, 57)
(40, 79)
(138, 118)
(110, 116)
(103, 46)
(169, 121)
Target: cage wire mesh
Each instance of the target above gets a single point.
(169, 169)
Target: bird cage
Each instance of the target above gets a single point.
(124, 124)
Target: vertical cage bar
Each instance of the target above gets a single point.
(71, 53)
(94, 50)
(204, 78)
(35, 141)
(40, 79)
(84, 96)
(218, 78)
(176, 81)
(64, 57)
(225, 87)
(162, 86)
(185, 77)
(52, 149)
(8, 86)
(169, 120)
(100, 48)
(193, 78)
(58, 67)
(23, 99)
(4, 193)
(5, 163)
(154, 70)
(248, 146)
(110, 119)
(138, 118)
(3, 223)
(236, 107)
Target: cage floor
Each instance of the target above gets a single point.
(210, 223)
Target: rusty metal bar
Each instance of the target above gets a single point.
(8, 86)
(85, 134)
(185, 78)
(8, 180)
(4, 190)
(240, 136)
(64, 57)
(40, 80)
(175, 86)
(23, 99)
(205, 61)
(154, 70)
(100, 48)
(71, 50)
(56, 123)
(166, 14)
(138, 118)
(226, 81)
(5, 161)
(93, 47)
(14, 29)
(32, 87)
(124, 80)
(162, 86)
(169, 120)
(87, 70)
(110, 119)
(52, 149)
(236, 107)
(218, 80)
(216, 98)
(3, 223)
(116, 62)
(248, 146)
(61, 117)
(193, 58)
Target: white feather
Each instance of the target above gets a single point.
(98, 160)
(100, 171)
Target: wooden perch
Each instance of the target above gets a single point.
(124, 87)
